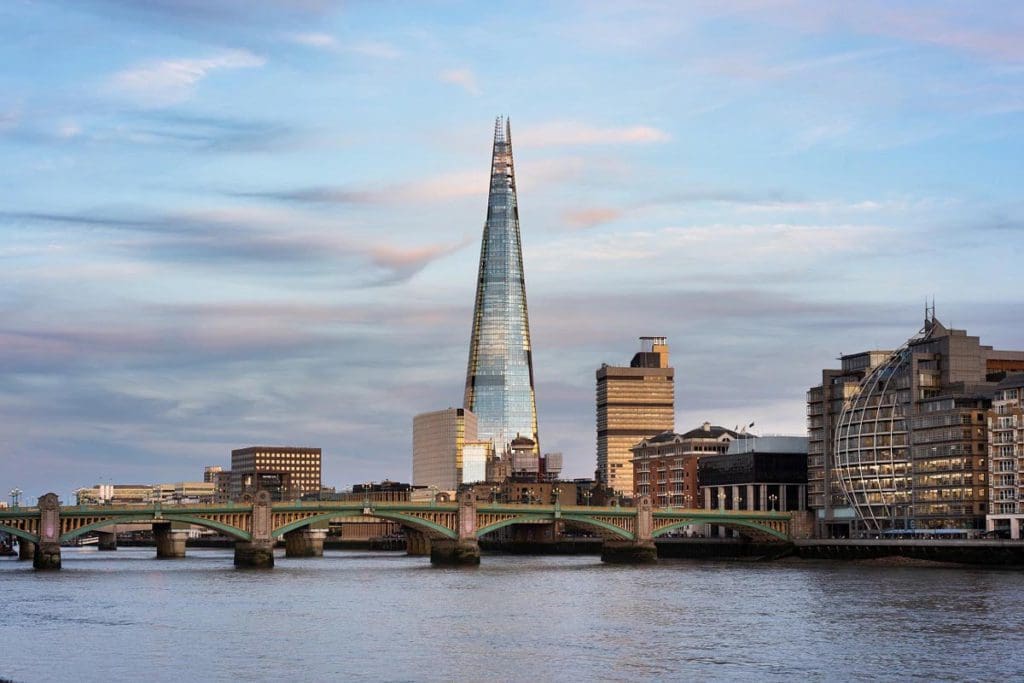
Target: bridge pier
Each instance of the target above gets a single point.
(641, 550)
(465, 551)
(629, 552)
(170, 542)
(26, 549)
(108, 540)
(256, 554)
(305, 542)
(416, 542)
(47, 556)
(47, 550)
(451, 553)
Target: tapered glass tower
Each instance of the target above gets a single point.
(499, 379)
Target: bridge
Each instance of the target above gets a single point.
(448, 532)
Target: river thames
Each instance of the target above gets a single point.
(126, 616)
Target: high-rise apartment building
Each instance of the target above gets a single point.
(633, 403)
(438, 442)
(286, 472)
(1006, 458)
(899, 441)
(499, 377)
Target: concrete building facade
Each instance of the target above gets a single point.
(633, 403)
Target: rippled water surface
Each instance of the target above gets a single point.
(386, 616)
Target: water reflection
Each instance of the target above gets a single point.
(377, 616)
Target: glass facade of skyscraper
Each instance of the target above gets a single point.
(499, 378)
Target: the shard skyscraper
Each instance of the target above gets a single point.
(499, 379)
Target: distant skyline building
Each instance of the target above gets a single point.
(499, 375)
(633, 404)
(439, 439)
(286, 472)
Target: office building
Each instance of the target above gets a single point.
(824, 405)
(907, 449)
(221, 480)
(633, 403)
(757, 473)
(499, 376)
(1006, 458)
(438, 447)
(665, 465)
(286, 472)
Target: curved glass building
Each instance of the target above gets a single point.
(872, 457)
(499, 377)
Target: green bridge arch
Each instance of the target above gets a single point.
(24, 535)
(232, 531)
(402, 518)
(727, 522)
(586, 520)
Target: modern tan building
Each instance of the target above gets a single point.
(438, 441)
(1006, 458)
(287, 472)
(633, 403)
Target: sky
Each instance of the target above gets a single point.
(258, 222)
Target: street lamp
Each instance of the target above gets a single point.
(587, 495)
(721, 500)
(687, 499)
(773, 499)
(15, 496)
(556, 493)
(494, 494)
(433, 495)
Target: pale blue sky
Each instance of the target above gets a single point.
(258, 222)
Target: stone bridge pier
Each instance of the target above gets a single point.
(258, 553)
(170, 541)
(464, 551)
(416, 542)
(108, 540)
(47, 552)
(641, 550)
(26, 549)
(305, 542)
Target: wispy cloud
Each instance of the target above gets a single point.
(317, 40)
(559, 133)
(168, 82)
(9, 120)
(464, 78)
(375, 49)
(588, 218)
(246, 235)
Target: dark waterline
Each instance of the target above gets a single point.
(386, 616)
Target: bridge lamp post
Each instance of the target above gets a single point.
(773, 499)
(687, 499)
(433, 495)
(15, 497)
(721, 500)
(587, 495)
(556, 494)
(494, 494)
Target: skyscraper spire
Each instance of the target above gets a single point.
(499, 377)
